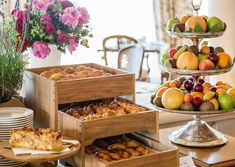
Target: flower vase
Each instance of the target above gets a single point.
(53, 59)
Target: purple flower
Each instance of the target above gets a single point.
(41, 4)
(84, 16)
(72, 45)
(70, 17)
(50, 28)
(61, 38)
(45, 19)
(41, 49)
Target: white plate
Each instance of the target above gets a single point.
(14, 112)
(16, 120)
(15, 126)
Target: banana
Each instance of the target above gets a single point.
(228, 84)
(181, 50)
(209, 95)
(215, 103)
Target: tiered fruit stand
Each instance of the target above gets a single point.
(196, 133)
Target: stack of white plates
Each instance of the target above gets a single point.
(13, 118)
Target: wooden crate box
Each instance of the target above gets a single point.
(88, 131)
(44, 95)
(161, 156)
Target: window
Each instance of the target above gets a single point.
(112, 17)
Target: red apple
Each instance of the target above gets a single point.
(206, 65)
(172, 52)
(198, 88)
(196, 102)
(214, 58)
(188, 85)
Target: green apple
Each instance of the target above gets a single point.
(164, 57)
(226, 101)
(171, 22)
(214, 24)
(202, 57)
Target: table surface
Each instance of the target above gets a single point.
(220, 156)
(8, 153)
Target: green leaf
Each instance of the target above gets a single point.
(198, 28)
(233, 60)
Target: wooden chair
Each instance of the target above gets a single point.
(116, 42)
(131, 59)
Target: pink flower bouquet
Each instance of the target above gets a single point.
(57, 22)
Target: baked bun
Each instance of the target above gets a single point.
(57, 76)
(69, 70)
(55, 70)
(46, 74)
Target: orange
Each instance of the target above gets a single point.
(231, 91)
(192, 21)
(219, 83)
(206, 90)
(207, 84)
(197, 94)
(224, 61)
(166, 84)
(183, 19)
(188, 98)
(174, 83)
(220, 91)
(160, 91)
(222, 87)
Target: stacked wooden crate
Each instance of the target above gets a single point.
(45, 95)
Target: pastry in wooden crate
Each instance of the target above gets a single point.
(115, 107)
(38, 139)
(117, 148)
(70, 73)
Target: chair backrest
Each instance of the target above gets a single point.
(117, 42)
(131, 59)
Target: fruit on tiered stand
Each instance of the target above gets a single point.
(196, 24)
(194, 58)
(189, 95)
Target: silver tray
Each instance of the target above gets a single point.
(190, 35)
(195, 72)
(195, 112)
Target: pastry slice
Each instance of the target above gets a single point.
(38, 139)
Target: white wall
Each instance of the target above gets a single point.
(226, 11)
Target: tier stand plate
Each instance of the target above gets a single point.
(197, 133)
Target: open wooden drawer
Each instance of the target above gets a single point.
(160, 156)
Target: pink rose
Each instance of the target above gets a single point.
(66, 3)
(61, 38)
(45, 19)
(41, 49)
(50, 28)
(84, 16)
(72, 46)
(70, 17)
(41, 4)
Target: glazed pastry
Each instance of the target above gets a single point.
(124, 154)
(141, 150)
(131, 144)
(69, 70)
(57, 76)
(103, 154)
(117, 147)
(132, 152)
(55, 70)
(71, 76)
(115, 156)
(46, 74)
